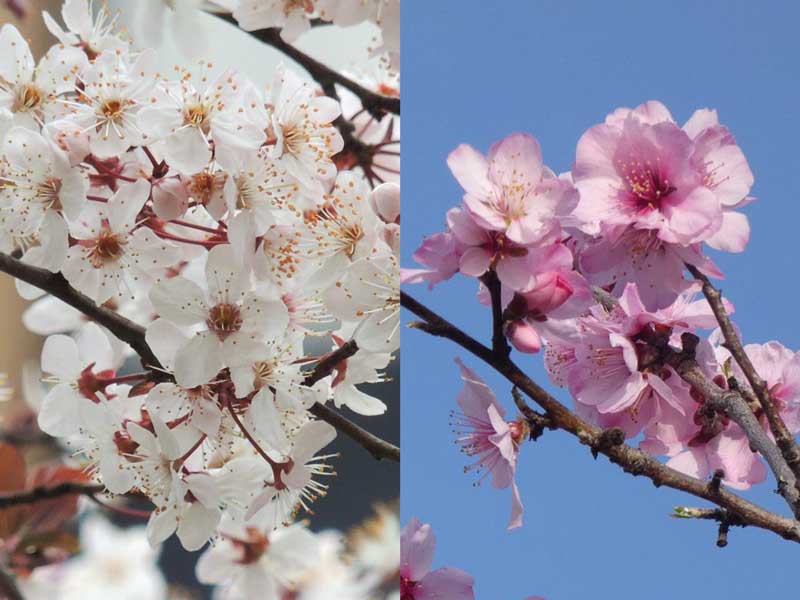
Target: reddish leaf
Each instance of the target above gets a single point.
(47, 515)
(12, 478)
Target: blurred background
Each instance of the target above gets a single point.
(362, 481)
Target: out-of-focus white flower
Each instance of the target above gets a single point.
(259, 564)
(113, 562)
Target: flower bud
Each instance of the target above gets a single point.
(524, 337)
(549, 292)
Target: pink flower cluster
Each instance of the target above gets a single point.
(643, 197)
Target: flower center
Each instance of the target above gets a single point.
(407, 588)
(48, 193)
(262, 373)
(108, 247)
(224, 319)
(519, 430)
(646, 181)
(203, 184)
(197, 115)
(252, 548)
(291, 5)
(112, 109)
(293, 139)
(350, 235)
(27, 97)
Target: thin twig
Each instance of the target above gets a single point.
(48, 492)
(630, 459)
(376, 446)
(783, 438)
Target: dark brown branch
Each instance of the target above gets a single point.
(376, 104)
(326, 365)
(499, 342)
(373, 444)
(783, 438)
(630, 459)
(134, 335)
(54, 283)
(66, 488)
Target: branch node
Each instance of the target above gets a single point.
(607, 439)
(537, 422)
(722, 535)
(716, 481)
(689, 342)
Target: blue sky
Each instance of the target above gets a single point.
(474, 71)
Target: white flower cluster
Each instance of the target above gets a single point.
(362, 565)
(213, 215)
(295, 17)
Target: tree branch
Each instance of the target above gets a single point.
(134, 335)
(376, 446)
(376, 104)
(54, 283)
(373, 444)
(630, 459)
(783, 438)
(45, 492)
(499, 342)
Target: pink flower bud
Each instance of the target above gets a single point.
(550, 291)
(524, 337)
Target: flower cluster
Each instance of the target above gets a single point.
(330, 565)
(591, 266)
(295, 17)
(219, 218)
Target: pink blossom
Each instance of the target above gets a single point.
(640, 256)
(439, 253)
(511, 191)
(725, 172)
(651, 192)
(484, 433)
(640, 174)
(607, 363)
(417, 581)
